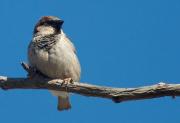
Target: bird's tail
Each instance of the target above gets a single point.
(63, 100)
(63, 103)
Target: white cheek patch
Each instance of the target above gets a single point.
(45, 30)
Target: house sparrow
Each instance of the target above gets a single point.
(53, 54)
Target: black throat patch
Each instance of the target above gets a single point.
(45, 42)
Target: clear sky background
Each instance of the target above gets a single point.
(120, 43)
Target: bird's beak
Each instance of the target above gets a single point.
(60, 21)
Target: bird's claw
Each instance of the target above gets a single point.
(67, 81)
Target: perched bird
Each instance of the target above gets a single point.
(53, 54)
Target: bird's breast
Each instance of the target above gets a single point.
(59, 62)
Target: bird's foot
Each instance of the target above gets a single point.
(67, 81)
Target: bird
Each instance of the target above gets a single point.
(53, 54)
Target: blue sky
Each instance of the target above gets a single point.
(120, 43)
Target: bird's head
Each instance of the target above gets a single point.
(48, 25)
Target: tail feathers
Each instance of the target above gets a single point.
(63, 103)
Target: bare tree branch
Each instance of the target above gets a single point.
(36, 81)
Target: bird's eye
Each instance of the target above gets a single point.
(42, 23)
